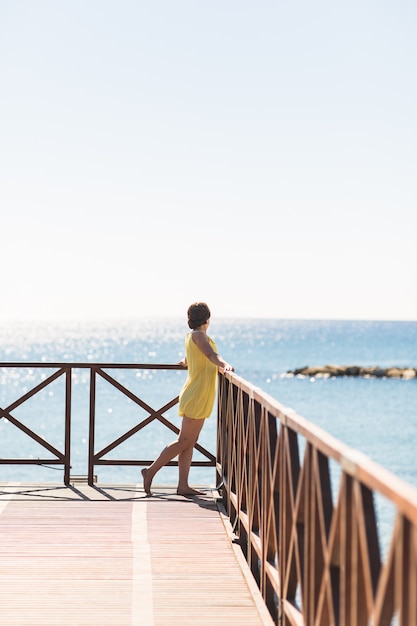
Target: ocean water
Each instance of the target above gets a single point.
(376, 416)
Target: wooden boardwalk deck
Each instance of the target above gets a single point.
(107, 555)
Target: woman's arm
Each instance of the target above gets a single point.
(202, 342)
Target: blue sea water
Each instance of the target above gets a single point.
(376, 416)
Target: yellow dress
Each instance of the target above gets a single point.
(199, 391)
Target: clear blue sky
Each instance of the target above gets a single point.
(257, 155)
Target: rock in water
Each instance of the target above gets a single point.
(327, 371)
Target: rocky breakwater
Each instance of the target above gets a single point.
(327, 371)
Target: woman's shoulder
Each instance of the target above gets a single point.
(194, 334)
(199, 337)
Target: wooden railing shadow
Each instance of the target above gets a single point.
(316, 556)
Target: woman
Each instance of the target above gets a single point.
(196, 398)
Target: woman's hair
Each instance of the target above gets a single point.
(198, 314)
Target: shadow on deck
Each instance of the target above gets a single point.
(107, 554)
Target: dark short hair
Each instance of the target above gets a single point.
(198, 314)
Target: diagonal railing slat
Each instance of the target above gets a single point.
(35, 390)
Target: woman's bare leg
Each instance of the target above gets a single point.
(187, 438)
(184, 464)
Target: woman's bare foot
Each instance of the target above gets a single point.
(189, 492)
(146, 482)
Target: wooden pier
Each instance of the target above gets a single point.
(311, 535)
(108, 555)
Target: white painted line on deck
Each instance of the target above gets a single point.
(142, 592)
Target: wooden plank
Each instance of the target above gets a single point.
(109, 555)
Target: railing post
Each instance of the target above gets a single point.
(221, 444)
(91, 443)
(68, 401)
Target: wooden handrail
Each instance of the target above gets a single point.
(317, 560)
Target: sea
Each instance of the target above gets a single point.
(375, 416)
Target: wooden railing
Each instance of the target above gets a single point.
(62, 457)
(317, 558)
(59, 456)
(99, 458)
